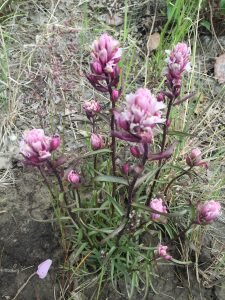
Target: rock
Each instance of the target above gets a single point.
(219, 69)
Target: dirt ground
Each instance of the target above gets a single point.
(27, 235)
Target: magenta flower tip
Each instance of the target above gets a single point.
(43, 268)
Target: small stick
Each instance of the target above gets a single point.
(23, 286)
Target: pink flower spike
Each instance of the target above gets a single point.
(177, 62)
(106, 54)
(161, 251)
(158, 205)
(209, 212)
(97, 141)
(43, 268)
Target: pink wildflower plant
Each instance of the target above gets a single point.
(158, 205)
(161, 251)
(36, 147)
(140, 117)
(208, 212)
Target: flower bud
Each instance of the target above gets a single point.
(96, 67)
(135, 151)
(160, 97)
(125, 169)
(73, 177)
(97, 141)
(55, 142)
(91, 108)
(115, 95)
(209, 212)
(195, 158)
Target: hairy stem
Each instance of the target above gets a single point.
(160, 163)
(113, 143)
(46, 181)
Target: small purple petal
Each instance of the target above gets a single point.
(43, 268)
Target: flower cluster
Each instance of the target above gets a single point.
(91, 108)
(161, 251)
(140, 117)
(195, 158)
(104, 66)
(97, 141)
(36, 147)
(158, 205)
(106, 54)
(178, 61)
(209, 212)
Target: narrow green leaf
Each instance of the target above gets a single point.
(181, 262)
(144, 207)
(112, 179)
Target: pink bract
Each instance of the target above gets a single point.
(158, 205)
(43, 268)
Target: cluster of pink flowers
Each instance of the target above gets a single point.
(106, 54)
(140, 117)
(104, 66)
(36, 147)
(177, 62)
(161, 251)
(195, 158)
(209, 212)
(158, 205)
(91, 108)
